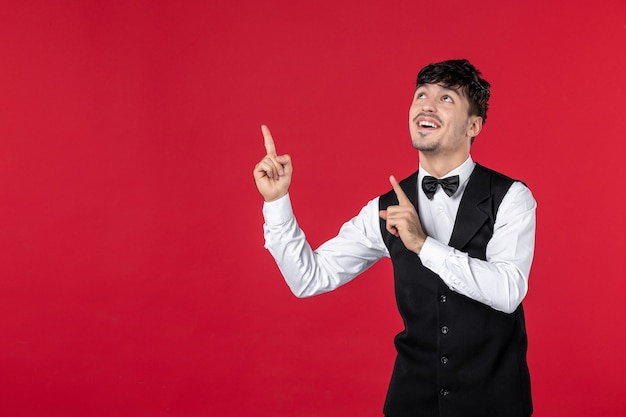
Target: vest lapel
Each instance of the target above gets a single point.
(473, 209)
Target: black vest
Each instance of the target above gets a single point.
(456, 357)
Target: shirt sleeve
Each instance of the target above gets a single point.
(501, 281)
(308, 272)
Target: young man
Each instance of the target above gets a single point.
(461, 240)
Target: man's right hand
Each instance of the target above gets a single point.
(272, 174)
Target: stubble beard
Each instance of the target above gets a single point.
(423, 145)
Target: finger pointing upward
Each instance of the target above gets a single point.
(403, 200)
(271, 157)
(270, 148)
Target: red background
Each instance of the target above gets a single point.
(133, 278)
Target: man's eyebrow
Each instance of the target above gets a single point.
(455, 90)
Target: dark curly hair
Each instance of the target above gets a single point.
(459, 73)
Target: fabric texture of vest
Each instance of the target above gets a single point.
(456, 357)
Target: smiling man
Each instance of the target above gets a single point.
(461, 240)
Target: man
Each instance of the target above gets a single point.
(461, 240)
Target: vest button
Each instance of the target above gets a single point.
(445, 330)
(443, 298)
(444, 360)
(444, 392)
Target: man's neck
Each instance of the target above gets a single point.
(440, 166)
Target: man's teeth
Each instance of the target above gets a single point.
(427, 124)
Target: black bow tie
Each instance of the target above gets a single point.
(449, 185)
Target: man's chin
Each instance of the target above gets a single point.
(424, 146)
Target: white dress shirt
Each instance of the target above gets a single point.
(500, 282)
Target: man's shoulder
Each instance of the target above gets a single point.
(495, 176)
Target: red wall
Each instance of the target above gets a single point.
(133, 279)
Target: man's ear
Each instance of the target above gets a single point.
(475, 126)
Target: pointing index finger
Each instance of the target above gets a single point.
(270, 148)
(402, 198)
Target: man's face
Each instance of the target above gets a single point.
(439, 121)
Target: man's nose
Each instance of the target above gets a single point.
(428, 105)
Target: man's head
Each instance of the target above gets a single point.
(447, 112)
(461, 75)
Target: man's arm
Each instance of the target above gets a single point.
(308, 272)
(501, 281)
(357, 246)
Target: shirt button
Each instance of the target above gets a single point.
(444, 360)
(443, 298)
(445, 330)
(444, 392)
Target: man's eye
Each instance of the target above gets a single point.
(447, 99)
(420, 95)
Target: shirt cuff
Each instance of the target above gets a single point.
(278, 212)
(433, 254)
